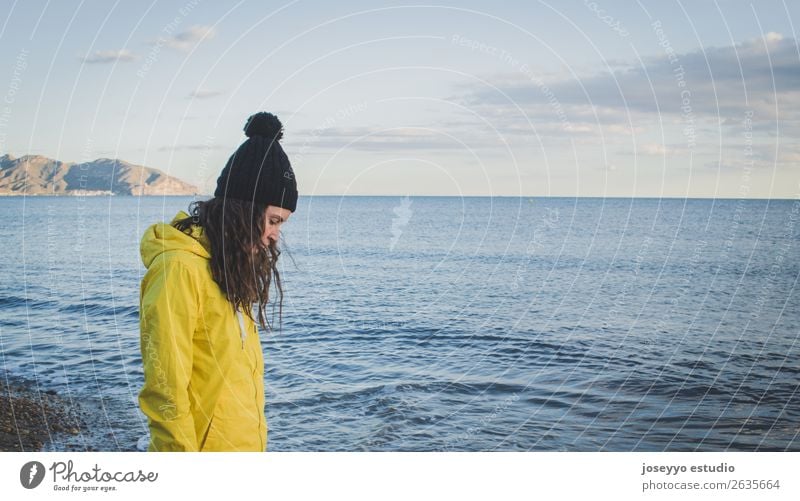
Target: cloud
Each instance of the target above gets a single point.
(719, 82)
(187, 40)
(779, 155)
(109, 56)
(709, 102)
(204, 94)
(393, 139)
(651, 149)
(190, 147)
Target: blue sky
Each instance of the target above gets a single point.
(578, 98)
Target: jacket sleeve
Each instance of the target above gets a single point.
(169, 306)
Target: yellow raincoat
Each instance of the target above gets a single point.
(203, 365)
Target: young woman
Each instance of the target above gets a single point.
(203, 365)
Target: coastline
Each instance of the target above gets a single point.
(30, 418)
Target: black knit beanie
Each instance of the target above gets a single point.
(259, 171)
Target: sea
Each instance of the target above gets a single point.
(447, 323)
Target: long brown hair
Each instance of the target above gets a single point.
(241, 264)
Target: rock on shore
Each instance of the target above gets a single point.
(29, 418)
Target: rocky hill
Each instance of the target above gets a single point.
(38, 175)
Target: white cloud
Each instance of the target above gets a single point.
(654, 149)
(190, 147)
(393, 139)
(109, 56)
(187, 40)
(722, 82)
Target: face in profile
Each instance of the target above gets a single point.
(274, 218)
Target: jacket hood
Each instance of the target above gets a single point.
(163, 237)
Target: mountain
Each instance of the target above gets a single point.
(38, 175)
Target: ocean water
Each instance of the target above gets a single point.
(435, 323)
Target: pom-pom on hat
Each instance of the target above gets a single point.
(259, 170)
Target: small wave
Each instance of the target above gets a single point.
(95, 310)
(694, 365)
(694, 391)
(423, 388)
(19, 301)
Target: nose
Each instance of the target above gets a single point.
(272, 236)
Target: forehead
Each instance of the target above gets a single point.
(274, 210)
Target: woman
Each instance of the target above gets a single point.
(203, 365)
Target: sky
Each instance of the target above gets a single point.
(590, 98)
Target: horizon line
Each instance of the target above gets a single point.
(64, 195)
